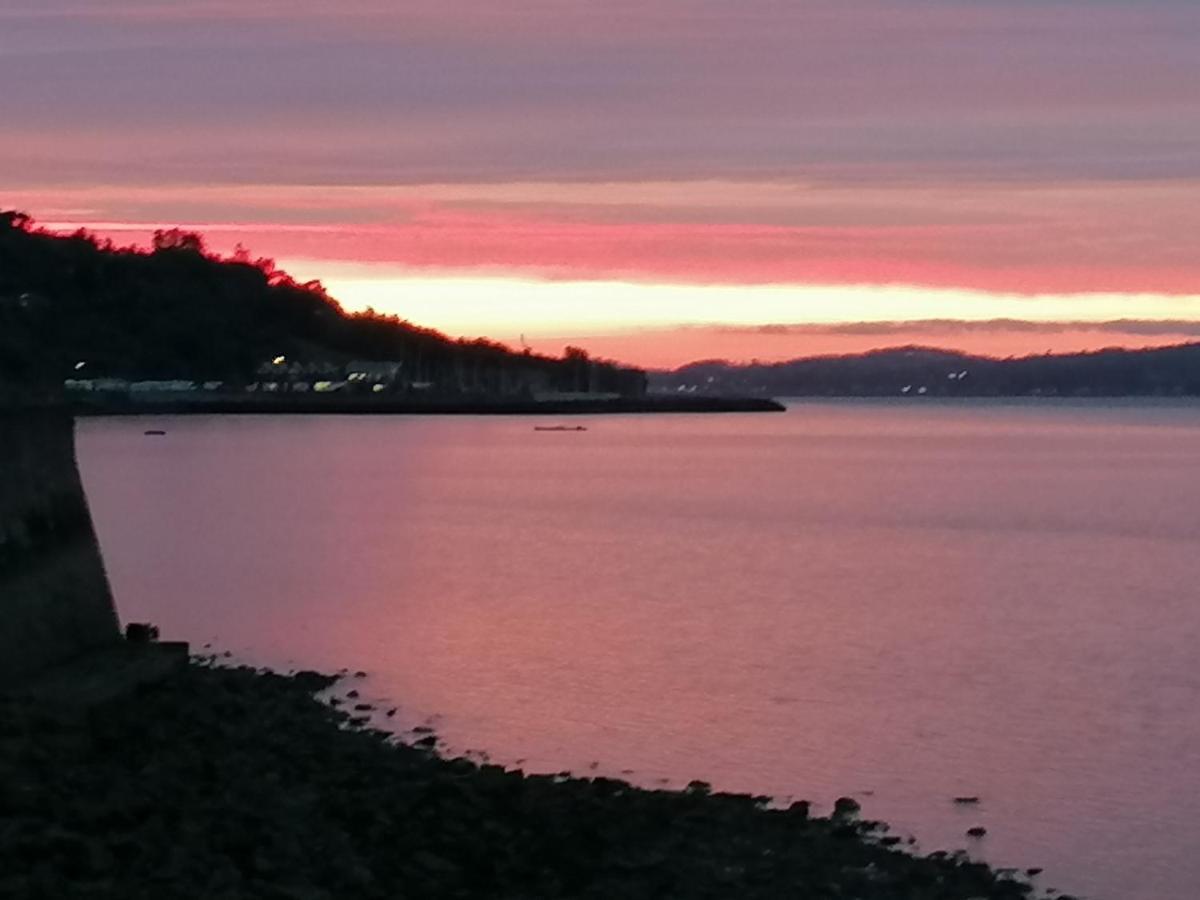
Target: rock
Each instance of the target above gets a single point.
(312, 682)
(363, 707)
(1034, 871)
(800, 809)
(227, 783)
(141, 633)
(976, 831)
(966, 801)
(435, 864)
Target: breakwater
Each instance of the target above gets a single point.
(55, 602)
(102, 405)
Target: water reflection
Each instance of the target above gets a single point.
(904, 604)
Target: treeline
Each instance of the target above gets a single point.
(920, 371)
(179, 311)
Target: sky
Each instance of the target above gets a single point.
(659, 180)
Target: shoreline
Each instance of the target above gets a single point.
(235, 782)
(445, 406)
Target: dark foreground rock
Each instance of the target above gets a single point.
(227, 783)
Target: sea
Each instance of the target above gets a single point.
(905, 602)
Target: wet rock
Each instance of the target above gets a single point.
(976, 831)
(141, 633)
(966, 801)
(227, 783)
(312, 682)
(435, 864)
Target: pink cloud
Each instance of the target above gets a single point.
(1027, 147)
(1025, 258)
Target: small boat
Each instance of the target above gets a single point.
(153, 432)
(559, 428)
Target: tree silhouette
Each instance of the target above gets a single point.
(177, 239)
(180, 311)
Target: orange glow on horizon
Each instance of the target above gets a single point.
(666, 325)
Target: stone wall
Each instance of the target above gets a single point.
(55, 601)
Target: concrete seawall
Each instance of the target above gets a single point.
(55, 602)
(337, 404)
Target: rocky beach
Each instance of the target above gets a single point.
(223, 782)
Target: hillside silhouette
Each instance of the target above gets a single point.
(926, 371)
(179, 311)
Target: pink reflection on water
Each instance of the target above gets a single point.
(903, 602)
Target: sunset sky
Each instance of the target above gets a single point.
(657, 180)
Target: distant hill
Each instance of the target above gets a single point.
(916, 371)
(179, 312)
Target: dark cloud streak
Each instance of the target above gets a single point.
(465, 91)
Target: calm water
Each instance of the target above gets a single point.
(904, 602)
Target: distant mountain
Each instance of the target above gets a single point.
(926, 371)
(179, 312)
